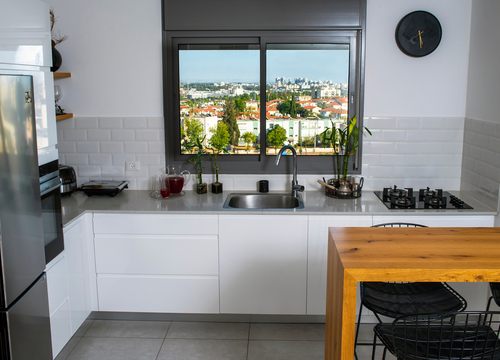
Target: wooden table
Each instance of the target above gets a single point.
(399, 254)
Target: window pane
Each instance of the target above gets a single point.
(307, 90)
(219, 97)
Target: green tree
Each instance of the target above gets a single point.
(218, 143)
(293, 107)
(190, 132)
(249, 138)
(276, 137)
(240, 105)
(229, 118)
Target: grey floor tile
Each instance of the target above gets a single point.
(287, 331)
(84, 327)
(63, 355)
(116, 349)
(289, 350)
(208, 330)
(365, 353)
(128, 329)
(194, 349)
(366, 333)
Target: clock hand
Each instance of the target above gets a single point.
(419, 37)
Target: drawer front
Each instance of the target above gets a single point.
(171, 294)
(153, 224)
(57, 285)
(438, 221)
(157, 255)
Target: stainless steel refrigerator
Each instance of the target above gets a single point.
(24, 309)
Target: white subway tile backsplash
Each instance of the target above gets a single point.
(408, 123)
(86, 123)
(111, 123)
(91, 172)
(494, 144)
(114, 172)
(120, 159)
(489, 129)
(76, 159)
(470, 137)
(477, 125)
(417, 159)
(393, 160)
(87, 147)
(147, 135)
(433, 123)
(406, 172)
(100, 159)
(393, 135)
(135, 123)
(379, 147)
(447, 135)
(109, 147)
(66, 147)
(407, 148)
(122, 135)
(66, 124)
(156, 123)
(419, 136)
(99, 135)
(380, 123)
(149, 159)
(454, 124)
(74, 135)
(131, 147)
(157, 147)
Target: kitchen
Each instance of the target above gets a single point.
(400, 152)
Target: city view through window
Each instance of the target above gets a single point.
(220, 106)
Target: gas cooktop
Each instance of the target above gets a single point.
(398, 199)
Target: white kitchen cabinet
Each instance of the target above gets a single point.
(76, 243)
(318, 255)
(60, 315)
(263, 264)
(157, 263)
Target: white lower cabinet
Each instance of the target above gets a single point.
(60, 314)
(263, 264)
(438, 220)
(157, 263)
(69, 283)
(318, 255)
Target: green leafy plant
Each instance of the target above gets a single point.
(198, 160)
(249, 138)
(276, 137)
(348, 143)
(218, 142)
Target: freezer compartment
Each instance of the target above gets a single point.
(25, 332)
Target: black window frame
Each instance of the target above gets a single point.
(261, 163)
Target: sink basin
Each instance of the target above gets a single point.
(263, 201)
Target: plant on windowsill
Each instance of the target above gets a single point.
(347, 139)
(218, 143)
(201, 187)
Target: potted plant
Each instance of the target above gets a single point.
(218, 143)
(347, 139)
(201, 187)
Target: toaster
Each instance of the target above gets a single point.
(68, 179)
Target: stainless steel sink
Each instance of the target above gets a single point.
(263, 201)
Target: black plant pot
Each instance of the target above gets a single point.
(201, 188)
(56, 60)
(216, 188)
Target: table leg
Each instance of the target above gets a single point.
(340, 309)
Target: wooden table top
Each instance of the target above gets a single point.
(419, 254)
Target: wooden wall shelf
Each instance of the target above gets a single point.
(62, 75)
(64, 116)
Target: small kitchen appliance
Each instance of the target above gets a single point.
(104, 187)
(407, 198)
(68, 180)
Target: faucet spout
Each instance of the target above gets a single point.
(295, 184)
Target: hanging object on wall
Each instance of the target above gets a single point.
(56, 39)
(418, 34)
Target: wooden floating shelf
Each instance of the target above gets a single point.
(62, 75)
(64, 116)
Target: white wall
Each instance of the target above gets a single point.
(484, 72)
(399, 85)
(114, 54)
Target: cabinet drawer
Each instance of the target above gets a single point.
(157, 255)
(171, 294)
(439, 221)
(57, 285)
(153, 224)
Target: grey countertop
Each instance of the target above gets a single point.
(315, 203)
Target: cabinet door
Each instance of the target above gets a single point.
(263, 264)
(318, 253)
(77, 266)
(437, 220)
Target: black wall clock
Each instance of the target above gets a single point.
(418, 34)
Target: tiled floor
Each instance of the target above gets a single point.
(160, 340)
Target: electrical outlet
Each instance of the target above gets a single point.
(132, 165)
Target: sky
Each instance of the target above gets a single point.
(243, 65)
